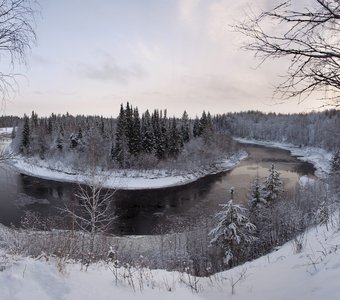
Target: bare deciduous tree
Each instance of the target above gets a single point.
(309, 37)
(17, 35)
(94, 213)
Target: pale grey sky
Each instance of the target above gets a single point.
(175, 54)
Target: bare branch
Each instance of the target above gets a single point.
(93, 212)
(17, 35)
(309, 38)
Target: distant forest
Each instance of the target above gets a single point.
(154, 140)
(9, 121)
(317, 129)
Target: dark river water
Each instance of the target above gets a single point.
(151, 211)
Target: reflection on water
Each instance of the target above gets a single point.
(152, 211)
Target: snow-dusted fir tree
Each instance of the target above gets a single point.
(272, 186)
(256, 194)
(185, 127)
(233, 230)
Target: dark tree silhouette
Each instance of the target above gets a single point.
(17, 35)
(309, 38)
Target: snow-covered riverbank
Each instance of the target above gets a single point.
(122, 179)
(152, 179)
(320, 158)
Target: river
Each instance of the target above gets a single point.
(152, 211)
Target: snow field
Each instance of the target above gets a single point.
(312, 274)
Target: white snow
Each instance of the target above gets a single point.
(284, 274)
(122, 179)
(305, 180)
(6, 130)
(320, 158)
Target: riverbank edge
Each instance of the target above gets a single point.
(319, 157)
(124, 179)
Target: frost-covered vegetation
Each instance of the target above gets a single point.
(317, 129)
(312, 273)
(271, 217)
(128, 142)
(240, 233)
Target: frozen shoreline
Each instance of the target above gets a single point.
(123, 179)
(154, 179)
(320, 158)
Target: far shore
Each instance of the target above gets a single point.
(123, 179)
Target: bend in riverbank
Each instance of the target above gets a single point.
(123, 179)
(319, 157)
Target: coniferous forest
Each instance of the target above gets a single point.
(131, 141)
(153, 140)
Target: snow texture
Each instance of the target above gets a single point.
(6, 130)
(122, 179)
(311, 274)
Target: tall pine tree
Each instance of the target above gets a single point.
(26, 135)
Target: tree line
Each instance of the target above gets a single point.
(317, 129)
(129, 141)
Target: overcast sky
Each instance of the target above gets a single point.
(175, 54)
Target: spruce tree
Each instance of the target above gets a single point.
(129, 130)
(185, 127)
(26, 135)
(203, 124)
(34, 120)
(273, 185)
(164, 136)
(256, 195)
(148, 139)
(196, 127)
(60, 139)
(159, 146)
(121, 140)
(174, 139)
(136, 133)
(233, 230)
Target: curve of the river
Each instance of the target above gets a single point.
(152, 211)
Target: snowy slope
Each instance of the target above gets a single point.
(312, 274)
